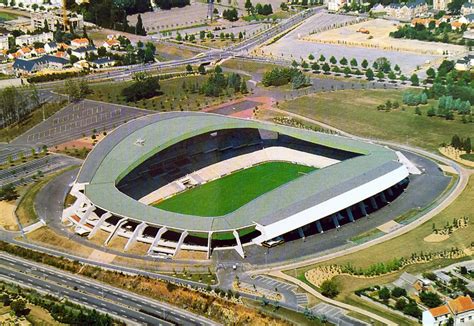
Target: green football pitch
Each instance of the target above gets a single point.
(225, 195)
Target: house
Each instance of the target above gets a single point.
(83, 51)
(111, 44)
(63, 46)
(467, 8)
(79, 42)
(81, 64)
(465, 64)
(378, 8)
(38, 52)
(25, 52)
(461, 310)
(31, 39)
(406, 11)
(52, 18)
(443, 277)
(456, 25)
(4, 45)
(25, 67)
(335, 5)
(51, 47)
(441, 4)
(61, 54)
(423, 21)
(467, 19)
(103, 63)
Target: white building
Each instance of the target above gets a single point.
(54, 18)
(30, 39)
(441, 4)
(335, 5)
(4, 41)
(460, 310)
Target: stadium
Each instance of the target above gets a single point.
(203, 182)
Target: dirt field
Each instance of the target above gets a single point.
(8, 219)
(379, 38)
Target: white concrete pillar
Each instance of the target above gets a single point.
(362, 208)
(319, 227)
(390, 191)
(115, 231)
(335, 221)
(349, 214)
(382, 196)
(157, 238)
(86, 215)
(238, 247)
(180, 242)
(136, 233)
(209, 245)
(99, 223)
(374, 203)
(301, 233)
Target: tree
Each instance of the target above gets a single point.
(72, 90)
(467, 145)
(202, 69)
(365, 64)
(189, 68)
(369, 74)
(248, 6)
(326, 68)
(430, 299)
(343, 61)
(392, 76)
(431, 73)
(311, 57)
(322, 58)
(414, 80)
(243, 87)
(347, 71)
(329, 288)
(139, 29)
(412, 309)
(400, 304)
(354, 62)
(384, 294)
(315, 66)
(332, 60)
(380, 75)
(398, 292)
(18, 306)
(8, 192)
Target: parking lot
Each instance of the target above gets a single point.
(27, 172)
(294, 46)
(287, 290)
(335, 315)
(13, 151)
(77, 120)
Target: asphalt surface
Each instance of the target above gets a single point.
(13, 151)
(95, 295)
(77, 120)
(27, 172)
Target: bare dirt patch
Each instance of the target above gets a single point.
(378, 38)
(8, 220)
(436, 237)
(455, 155)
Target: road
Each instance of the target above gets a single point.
(123, 304)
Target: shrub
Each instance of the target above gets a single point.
(330, 288)
(398, 292)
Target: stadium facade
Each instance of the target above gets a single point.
(156, 157)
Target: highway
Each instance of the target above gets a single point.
(122, 304)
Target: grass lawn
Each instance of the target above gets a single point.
(411, 242)
(362, 118)
(176, 95)
(224, 195)
(256, 67)
(5, 16)
(469, 157)
(13, 131)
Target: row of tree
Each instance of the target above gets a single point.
(461, 144)
(17, 103)
(218, 83)
(283, 76)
